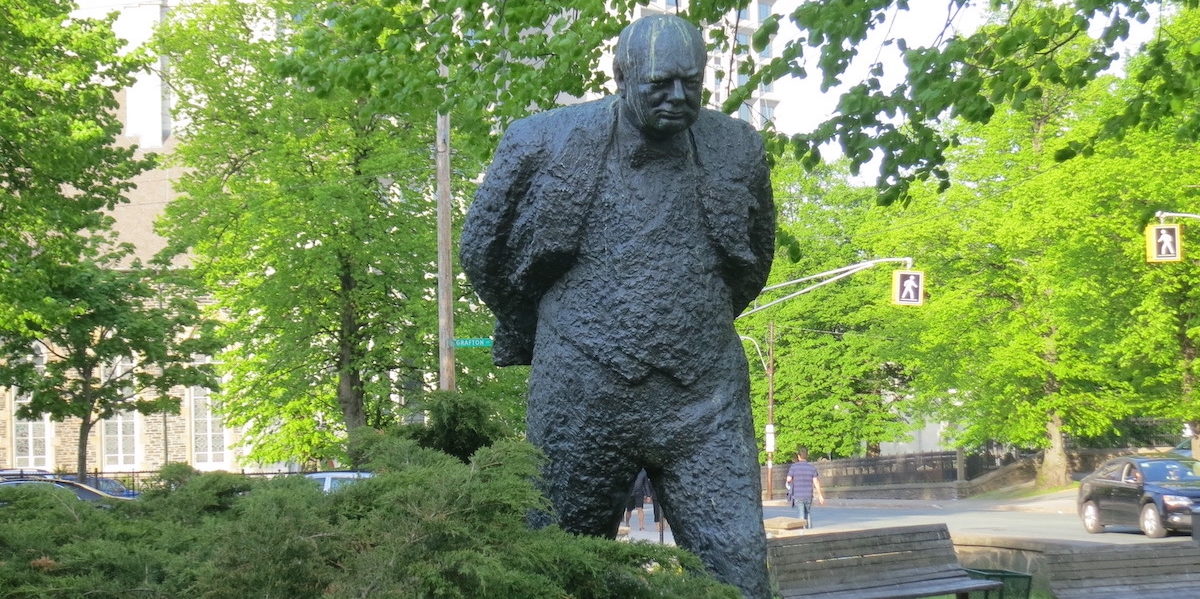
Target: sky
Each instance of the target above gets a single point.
(806, 105)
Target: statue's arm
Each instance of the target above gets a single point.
(761, 228)
(486, 251)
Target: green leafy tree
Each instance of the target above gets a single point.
(838, 391)
(60, 166)
(128, 339)
(1152, 171)
(1033, 294)
(1027, 49)
(309, 210)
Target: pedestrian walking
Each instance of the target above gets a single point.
(637, 500)
(803, 484)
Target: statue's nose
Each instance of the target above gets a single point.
(677, 92)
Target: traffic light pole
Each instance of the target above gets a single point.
(829, 276)
(1161, 215)
(768, 363)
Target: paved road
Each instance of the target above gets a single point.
(1050, 517)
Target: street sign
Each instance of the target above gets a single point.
(908, 287)
(473, 342)
(1164, 243)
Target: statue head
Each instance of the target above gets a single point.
(659, 70)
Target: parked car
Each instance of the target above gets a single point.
(81, 491)
(332, 480)
(7, 473)
(111, 486)
(1155, 493)
(1184, 448)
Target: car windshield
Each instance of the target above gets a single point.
(1171, 471)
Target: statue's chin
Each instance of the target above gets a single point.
(664, 129)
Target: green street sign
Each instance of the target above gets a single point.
(473, 342)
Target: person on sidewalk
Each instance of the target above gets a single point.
(803, 485)
(637, 500)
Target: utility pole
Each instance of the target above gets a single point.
(769, 432)
(445, 278)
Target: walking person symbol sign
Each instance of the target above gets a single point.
(1164, 243)
(908, 287)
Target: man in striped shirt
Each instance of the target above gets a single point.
(803, 484)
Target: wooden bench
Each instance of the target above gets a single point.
(885, 563)
(1145, 571)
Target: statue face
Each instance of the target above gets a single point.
(660, 93)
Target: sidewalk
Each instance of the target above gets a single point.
(1060, 502)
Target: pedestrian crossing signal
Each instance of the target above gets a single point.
(1164, 243)
(908, 287)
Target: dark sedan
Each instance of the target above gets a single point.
(1156, 494)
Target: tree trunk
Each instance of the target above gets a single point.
(85, 430)
(1054, 471)
(349, 388)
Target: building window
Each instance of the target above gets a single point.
(122, 372)
(120, 440)
(673, 4)
(743, 14)
(765, 9)
(208, 431)
(31, 443)
(742, 42)
(743, 79)
(767, 111)
(744, 112)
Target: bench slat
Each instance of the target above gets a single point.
(885, 590)
(894, 563)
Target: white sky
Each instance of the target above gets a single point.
(804, 105)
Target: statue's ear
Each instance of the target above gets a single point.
(619, 78)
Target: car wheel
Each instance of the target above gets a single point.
(1151, 522)
(1091, 518)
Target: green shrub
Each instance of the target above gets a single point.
(427, 525)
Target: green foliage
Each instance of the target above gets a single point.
(457, 423)
(838, 382)
(1025, 48)
(427, 525)
(311, 219)
(58, 132)
(121, 340)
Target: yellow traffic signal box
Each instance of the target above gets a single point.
(1164, 243)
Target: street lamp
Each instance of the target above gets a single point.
(769, 429)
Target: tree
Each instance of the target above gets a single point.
(129, 337)
(1153, 170)
(837, 390)
(1013, 61)
(60, 166)
(501, 63)
(309, 210)
(1021, 344)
